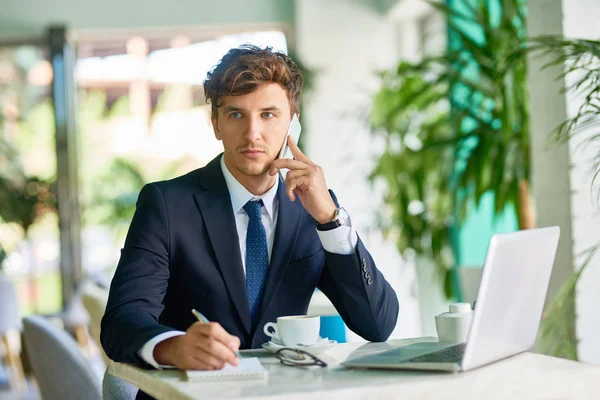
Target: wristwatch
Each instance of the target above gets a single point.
(341, 218)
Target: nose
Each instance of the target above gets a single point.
(253, 129)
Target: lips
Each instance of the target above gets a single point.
(252, 153)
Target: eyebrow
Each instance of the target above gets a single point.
(272, 108)
(237, 109)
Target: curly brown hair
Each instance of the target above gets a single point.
(245, 68)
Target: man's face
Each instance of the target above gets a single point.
(252, 128)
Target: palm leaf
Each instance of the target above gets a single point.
(557, 330)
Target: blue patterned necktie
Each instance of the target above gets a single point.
(257, 259)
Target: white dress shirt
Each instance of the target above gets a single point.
(341, 240)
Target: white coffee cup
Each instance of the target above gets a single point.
(453, 326)
(293, 330)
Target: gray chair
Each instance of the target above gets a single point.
(61, 369)
(76, 320)
(10, 333)
(94, 299)
(114, 388)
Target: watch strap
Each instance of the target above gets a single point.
(329, 225)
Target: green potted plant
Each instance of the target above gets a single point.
(456, 128)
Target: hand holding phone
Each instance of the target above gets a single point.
(308, 183)
(294, 131)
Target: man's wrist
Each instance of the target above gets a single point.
(163, 352)
(340, 218)
(327, 217)
(147, 350)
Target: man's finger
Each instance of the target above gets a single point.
(212, 329)
(216, 331)
(195, 362)
(289, 190)
(289, 164)
(295, 174)
(235, 343)
(296, 152)
(296, 183)
(218, 350)
(209, 359)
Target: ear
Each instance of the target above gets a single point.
(215, 123)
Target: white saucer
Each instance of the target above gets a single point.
(322, 345)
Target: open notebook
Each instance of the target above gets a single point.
(249, 368)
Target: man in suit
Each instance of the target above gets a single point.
(235, 243)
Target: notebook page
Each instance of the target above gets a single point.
(249, 368)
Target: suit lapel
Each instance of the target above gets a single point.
(286, 232)
(214, 203)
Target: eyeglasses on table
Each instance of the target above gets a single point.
(298, 358)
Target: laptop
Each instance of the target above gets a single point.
(507, 315)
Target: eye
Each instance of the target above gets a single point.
(235, 115)
(268, 115)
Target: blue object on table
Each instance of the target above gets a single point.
(3, 378)
(333, 327)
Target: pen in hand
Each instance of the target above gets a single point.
(205, 320)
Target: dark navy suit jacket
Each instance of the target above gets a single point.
(182, 252)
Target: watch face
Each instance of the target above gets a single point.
(343, 216)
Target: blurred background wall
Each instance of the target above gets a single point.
(32, 17)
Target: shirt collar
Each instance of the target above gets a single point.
(240, 195)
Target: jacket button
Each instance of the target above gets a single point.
(368, 275)
(369, 281)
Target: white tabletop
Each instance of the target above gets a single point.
(526, 376)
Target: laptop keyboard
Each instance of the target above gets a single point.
(448, 355)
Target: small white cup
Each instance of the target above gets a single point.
(454, 326)
(295, 329)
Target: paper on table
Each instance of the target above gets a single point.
(249, 368)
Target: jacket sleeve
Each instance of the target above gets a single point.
(359, 292)
(140, 283)
(365, 300)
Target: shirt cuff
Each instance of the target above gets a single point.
(147, 350)
(341, 240)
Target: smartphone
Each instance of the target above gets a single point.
(285, 152)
